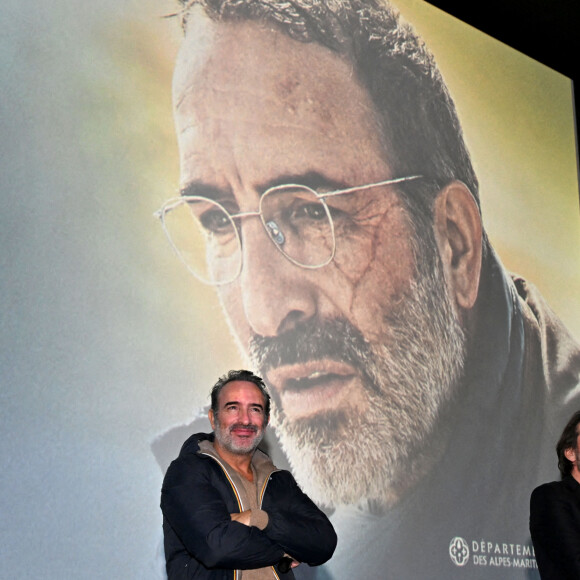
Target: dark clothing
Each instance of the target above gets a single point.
(201, 540)
(555, 529)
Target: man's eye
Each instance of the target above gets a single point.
(312, 211)
(216, 222)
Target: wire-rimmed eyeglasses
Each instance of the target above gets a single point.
(297, 219)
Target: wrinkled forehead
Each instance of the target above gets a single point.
(219, 57)
(252, 104)
(227, 46)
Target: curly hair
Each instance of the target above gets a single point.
(241, 375)
(568, 440)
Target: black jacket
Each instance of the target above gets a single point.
(555, 529)
(201, 540)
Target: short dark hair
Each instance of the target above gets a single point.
(416, 115)
(568, 440)
(241, 375)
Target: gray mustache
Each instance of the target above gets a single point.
(243, 426)
(335, 339)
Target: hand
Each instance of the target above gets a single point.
(242, 518)
(286, 563)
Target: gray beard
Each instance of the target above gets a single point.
(351, 457)
(225, 439)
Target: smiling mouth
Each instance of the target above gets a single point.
(312, 388)
(243, 432)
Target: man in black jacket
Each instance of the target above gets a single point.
(227, 508)
(555, 512)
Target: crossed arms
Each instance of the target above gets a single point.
(202, 521)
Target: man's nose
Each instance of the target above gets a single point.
(276, 294)
(243, 416)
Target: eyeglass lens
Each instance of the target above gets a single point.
(208, 239)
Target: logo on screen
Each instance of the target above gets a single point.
(459, 551)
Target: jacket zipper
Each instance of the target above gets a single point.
(237, 573)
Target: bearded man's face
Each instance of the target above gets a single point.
(360, 354)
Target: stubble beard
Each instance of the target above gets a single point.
(225, 439)
(351, 457)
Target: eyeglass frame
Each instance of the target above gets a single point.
(175, 202)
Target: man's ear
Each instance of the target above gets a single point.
(211, 418)
(459, 233)
(570, 454)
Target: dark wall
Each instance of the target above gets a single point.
(546, 30)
